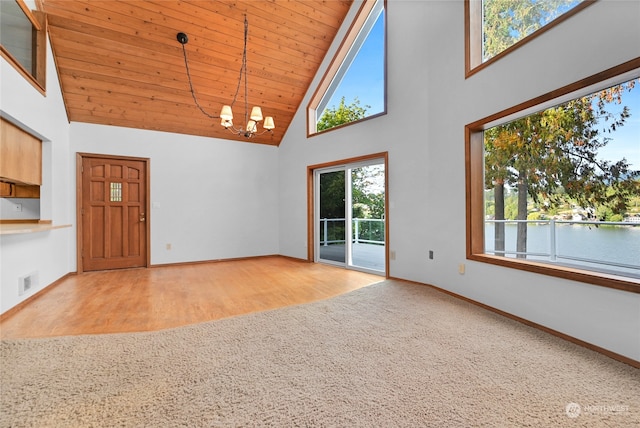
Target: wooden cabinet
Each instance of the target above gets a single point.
(20, 156)
(6, 189)
(23, 191)
(12, 190)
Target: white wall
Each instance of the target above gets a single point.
(426, 167)
(20, 208)
(47, 253)
(211, 199)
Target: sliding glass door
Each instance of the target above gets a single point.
(349, 216)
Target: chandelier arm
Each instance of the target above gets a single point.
(193, 93)
(263, 132)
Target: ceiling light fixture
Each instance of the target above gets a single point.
(226, 114)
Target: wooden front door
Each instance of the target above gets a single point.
(113, 210)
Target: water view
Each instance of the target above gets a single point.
(598, 247)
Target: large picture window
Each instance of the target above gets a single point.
(23, 40)
(555, 186)
(353, 87)
(495, 27)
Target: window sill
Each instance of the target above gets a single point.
(617, 282)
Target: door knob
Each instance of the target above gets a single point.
(142, 217)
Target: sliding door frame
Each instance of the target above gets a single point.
(311, 201)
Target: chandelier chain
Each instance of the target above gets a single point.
(244, 67)
(243, 72)
(193, 92)
(226, 114)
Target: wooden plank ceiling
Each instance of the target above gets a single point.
(119, 62)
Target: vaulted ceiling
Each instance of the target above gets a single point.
(119, 62)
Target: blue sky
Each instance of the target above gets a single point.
(365, 78)
(625, 141)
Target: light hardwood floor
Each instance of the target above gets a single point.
(164, 297)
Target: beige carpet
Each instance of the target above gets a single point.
(389, 355)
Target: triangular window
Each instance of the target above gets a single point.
(353, 87)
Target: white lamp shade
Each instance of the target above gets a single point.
(226, 123)
(251, 126)
(268, 123)
(226, 113)
(256, 114)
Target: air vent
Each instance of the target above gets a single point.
(28, 282)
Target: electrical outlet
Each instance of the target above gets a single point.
(430, 254)
(168, 246)
(461, 268)
(17, 207)
(392, 255)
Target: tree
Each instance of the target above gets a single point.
(367, 197)
(334, 116)
(553, 155)
(332, 204)
(368, 190)
(505, 22)
(498, 155)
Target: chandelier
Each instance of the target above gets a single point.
(226, 114)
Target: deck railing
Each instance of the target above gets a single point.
(365, 230)
(553, 254)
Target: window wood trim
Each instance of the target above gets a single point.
(39, 21)
(29, 14)
(474, 186)
(473, 35)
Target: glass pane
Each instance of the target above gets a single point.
(332, 216)
(16, 34)
(504, 23)
(116, 192)
(368, 225)
(562, 185)
(357, 89)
